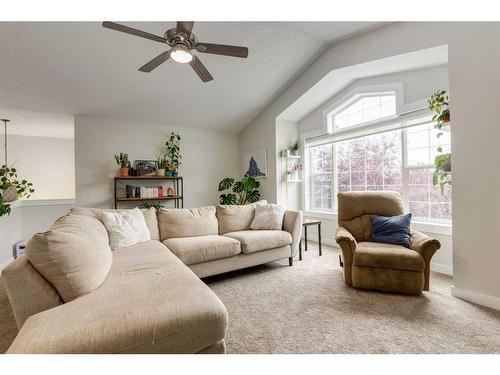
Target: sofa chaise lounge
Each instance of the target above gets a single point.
(151, 299)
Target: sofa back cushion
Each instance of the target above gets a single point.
(234, 218)
(73, 255)
(149, 216)
(177, 223)
(355, 209)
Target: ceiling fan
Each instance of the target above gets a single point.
(182, 42)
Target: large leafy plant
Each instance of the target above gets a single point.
(173, 153)
(241, 192)
(9, 179)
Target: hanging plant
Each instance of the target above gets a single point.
(439, 104)
(12, 188)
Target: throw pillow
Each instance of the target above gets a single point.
(268, 216)
(234, 218)
(125, 228)
(73, 255)
(391, 229)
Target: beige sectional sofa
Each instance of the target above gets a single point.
(151, 299)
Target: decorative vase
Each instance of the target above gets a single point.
(175, 173)
(160, 172)
(10, 194)
(170, 191)
(123, 172)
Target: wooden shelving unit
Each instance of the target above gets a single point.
(178, 198)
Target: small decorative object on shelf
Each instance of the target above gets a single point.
(173, 154)
(294, 148)
(439, 103)
(154, 204)
(291, 166)
(123, 162)
(143, 193)
(170, 191)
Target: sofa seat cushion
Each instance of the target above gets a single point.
(150, 303)
(259, 240)
(192, 250)
(380, 255)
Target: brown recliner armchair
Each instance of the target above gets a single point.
(379, 266)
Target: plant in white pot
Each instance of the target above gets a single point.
(294, 148)
(161, 165)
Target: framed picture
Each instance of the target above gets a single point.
(255, 164)
(145, 167)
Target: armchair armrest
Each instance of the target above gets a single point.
(426, 246)
(347, 244)
(292, 223)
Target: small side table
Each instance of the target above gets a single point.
(305, 224)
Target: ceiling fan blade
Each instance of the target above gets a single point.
(185, 26)
(200, 69)
(160, 59)
(221, 49)
(132, 31)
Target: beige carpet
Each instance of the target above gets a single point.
(307, 308)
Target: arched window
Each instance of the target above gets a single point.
(363, 109)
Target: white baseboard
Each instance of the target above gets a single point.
(475, 297)
(6, 263)
(442, 268)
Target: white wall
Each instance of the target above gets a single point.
(49, 163)
(474, 77)
(208, 156)
(417, 85)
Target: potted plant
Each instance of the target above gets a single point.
(439, 104)
(122, 161)
(294, 148)
(161, 165)
(173, 154)
(11, 188)
(243, 192)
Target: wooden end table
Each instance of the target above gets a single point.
(305, 224)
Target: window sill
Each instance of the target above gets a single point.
(421, 226)
(42, 202)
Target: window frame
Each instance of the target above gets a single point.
(362, 130)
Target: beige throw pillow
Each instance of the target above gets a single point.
(149, 216)
(177, 223)
(234, 218)
(268, 216)
(74, 255)
(125, 228)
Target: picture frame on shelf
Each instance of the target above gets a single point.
(145, 167)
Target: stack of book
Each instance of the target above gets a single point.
(152, 192)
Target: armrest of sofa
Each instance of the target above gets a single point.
(426, 246)
(347, 244)
(292, 223)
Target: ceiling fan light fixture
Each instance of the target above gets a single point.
(181, 54)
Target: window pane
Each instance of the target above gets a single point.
(422, 143)
(365, 109)
(369, 163)
(321, 159)
(425, 199)
(321, 188)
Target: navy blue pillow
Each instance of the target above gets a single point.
(391, 229)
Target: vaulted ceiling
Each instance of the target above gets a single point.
(83, 68)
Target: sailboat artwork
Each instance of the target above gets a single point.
(256, 164)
